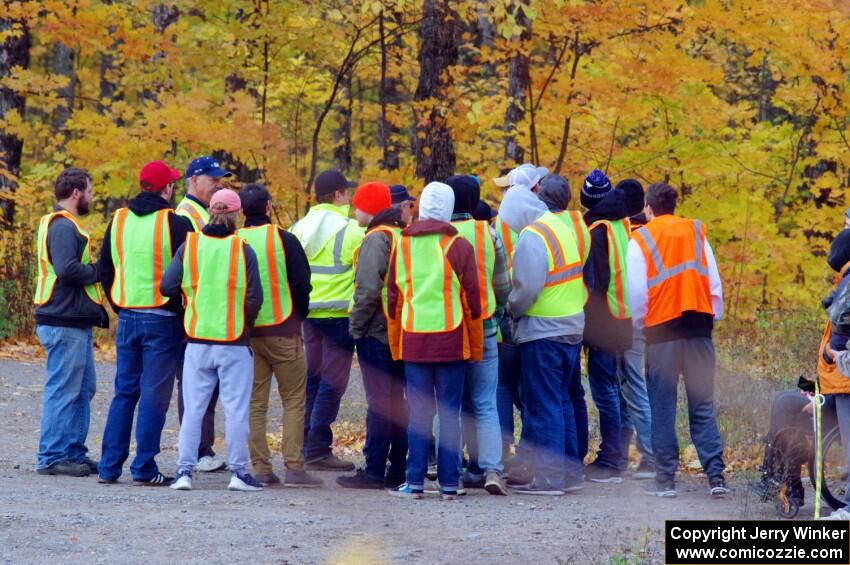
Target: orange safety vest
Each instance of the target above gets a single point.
(676, 268)
(831, 380)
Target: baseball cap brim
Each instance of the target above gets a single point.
(217, 173)
(175, 174)
(503, 181)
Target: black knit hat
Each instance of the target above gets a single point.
(595, 187)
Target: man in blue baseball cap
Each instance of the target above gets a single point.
(403, 201)
(203, 179)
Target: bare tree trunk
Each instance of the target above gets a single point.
(162, 16)
(518, 86)
(63, 65)
(342, 135)
(435, 153)
(15, 52)
(389, 95)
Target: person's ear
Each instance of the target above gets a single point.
(269, 208)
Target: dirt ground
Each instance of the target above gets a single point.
(80, 521)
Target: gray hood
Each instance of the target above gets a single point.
(555, 192)
(520, 207)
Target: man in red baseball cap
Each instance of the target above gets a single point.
(139, 243)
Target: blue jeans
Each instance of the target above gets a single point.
(635, 415)
(605, 390)
(386, 409)
(425, 381)
(693, 358)
(549, 432)
(507, 390)
(68, 392)
(149, 348)
(329, 349)
(479, 402)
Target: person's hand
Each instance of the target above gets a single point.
(808, 408)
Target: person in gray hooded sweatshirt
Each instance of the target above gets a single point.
(547, 306)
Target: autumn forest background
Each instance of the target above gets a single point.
(740, 104)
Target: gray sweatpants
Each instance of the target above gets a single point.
(232, 367)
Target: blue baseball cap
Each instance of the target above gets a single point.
(399, 194)
(206, 166)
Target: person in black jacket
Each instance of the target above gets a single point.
(68, 304)
(139, 243)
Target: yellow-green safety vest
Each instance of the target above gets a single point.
(477, 233)
(618, 243)
(46, 281)
(215, 285)
(196, 213)
(564, 293)
(575, 221)
(271, 260)
(141, 250)
(428, 286)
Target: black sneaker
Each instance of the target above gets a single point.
(68, 468)
(392, 482)
(158, 480)
(473, 480)
(299, 478)
(572, 484)
(663, 489)
(329, 463)
(598, 473)
(267, 479)
(538, 489)
(91, 464)
(645, 470)
(360, 480)
(717, 487)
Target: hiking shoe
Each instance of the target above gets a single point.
(267, 479)
(244, 483)
(90, 463)
(158, 480)
(645, 470)
(663, 489)
(360, 480)
(572, 484)
(494, 484)
(393, 482)
(406, 491)
(329, 463)
(299, 478)
(518, 475)
(538, 489)
(599, 473)
(717, 487)
(183, 481)
(473, 480)
(66, 467)
(210, 464)
(840, 514)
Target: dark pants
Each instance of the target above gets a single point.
(605, 390)
(148, 348)
(579, 411)
(386, 410)
(205, 447)
(549, 433)
(693, 359)
(507, 391)
(329, 348)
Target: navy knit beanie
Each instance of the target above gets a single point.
(595, 187)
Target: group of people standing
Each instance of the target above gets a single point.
(459, 316)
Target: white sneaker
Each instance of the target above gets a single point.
(840, 514)
(207, 464)
(182, 482)
(244, 483)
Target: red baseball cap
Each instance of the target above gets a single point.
(156, 175)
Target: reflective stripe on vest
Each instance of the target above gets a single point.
(575, 220)
(338, 267)
(677, 270)
(509, 238)
(477, 233)
(139, 259)
(618, 242)
(271, 260)
(46, 279)
(215, 286)
(564, 293)
(428, 285)
(197, 214)
(394, 234)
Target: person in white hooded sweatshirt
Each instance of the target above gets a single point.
(547, 305)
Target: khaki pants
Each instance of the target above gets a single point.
(283, 357)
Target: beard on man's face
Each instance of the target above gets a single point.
(83, 207)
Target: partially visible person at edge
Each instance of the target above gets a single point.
(635, 414)
(217, 273)
(608, 324)
(139, 242)
(434, 326)
(547, 304)
(383, 378)
(68, 303)
(676, 294)
(203, 179)
(404, 202)
(839, 249)
(480, 419)
(556, 194)
(329, 238)
(276, 339)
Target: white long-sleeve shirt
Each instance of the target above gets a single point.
(639, 289)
